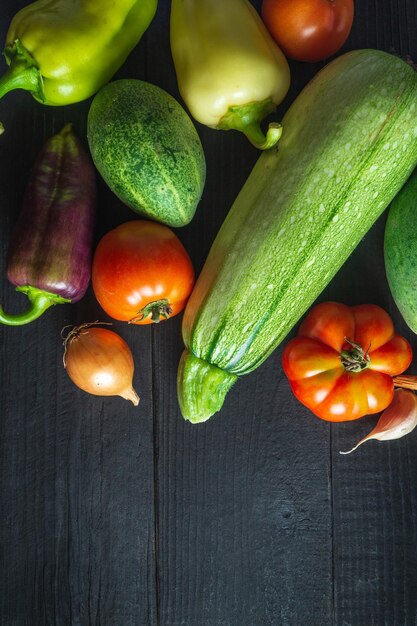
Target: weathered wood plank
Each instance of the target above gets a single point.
(77, 489)
(121, 516)
(374, 492)
(244, 499)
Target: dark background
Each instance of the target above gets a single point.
(122, 516)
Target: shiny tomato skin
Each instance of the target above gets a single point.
(312, 361)
(138, 263)
(308, 30)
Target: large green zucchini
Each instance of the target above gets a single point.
(349, 144)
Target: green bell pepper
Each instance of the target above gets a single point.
(63, 51)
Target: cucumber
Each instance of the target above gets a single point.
(400, 251)
(349, 144)
(147, 150)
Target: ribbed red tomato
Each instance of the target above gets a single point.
(342, 362)
(142, 273)
(308, 30)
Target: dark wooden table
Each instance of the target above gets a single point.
(125, 516)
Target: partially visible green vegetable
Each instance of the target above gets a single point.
(231, 74)
(63, 51)
(349, 144)
(147, 150)
(400, 251)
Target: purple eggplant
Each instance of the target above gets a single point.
(50, 254)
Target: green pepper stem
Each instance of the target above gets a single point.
(23, 72)
(247, 118)
(39, 301)
(19, 76)
(255, 135)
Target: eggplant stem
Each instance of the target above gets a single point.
(39, 300)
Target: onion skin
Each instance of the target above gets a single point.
(100, 362)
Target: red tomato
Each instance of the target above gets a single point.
(308, 30)
(142, 273)
(342, 362)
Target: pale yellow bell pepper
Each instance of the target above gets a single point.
(230, 72)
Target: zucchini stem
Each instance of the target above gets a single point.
(202, 387)
(39, 300)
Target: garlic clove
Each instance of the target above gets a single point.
(399, 419)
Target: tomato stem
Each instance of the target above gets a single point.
(156, 310)
(355, 359)
(405, 382)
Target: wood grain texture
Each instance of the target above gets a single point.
(77, 471)
(374, 492)
(121, 516)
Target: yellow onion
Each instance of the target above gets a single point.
(100, 362)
